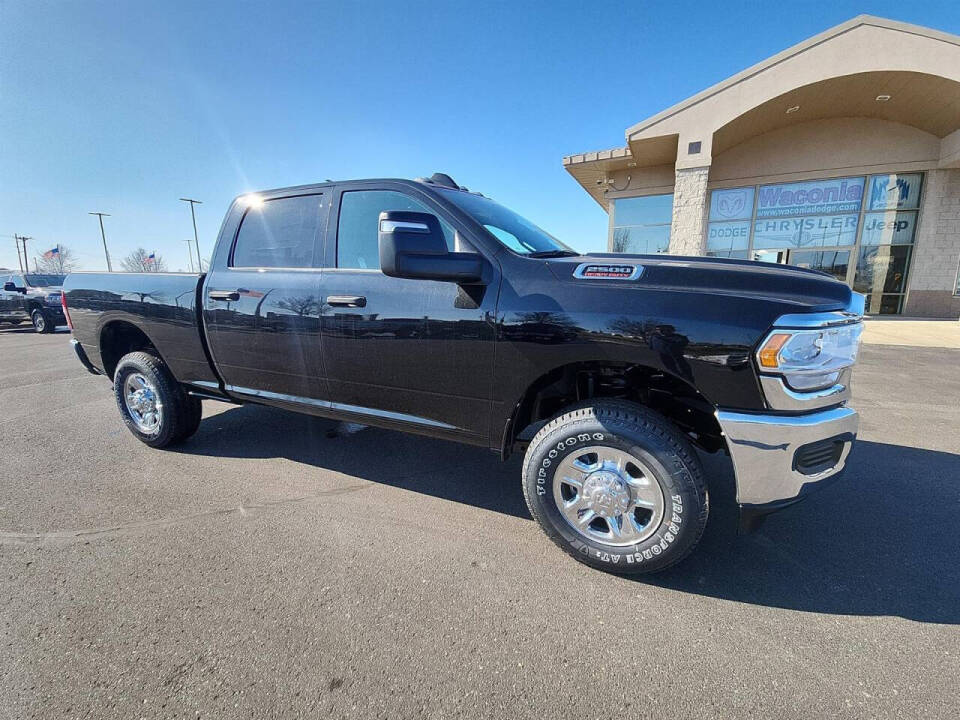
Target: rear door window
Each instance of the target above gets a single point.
(280, 233)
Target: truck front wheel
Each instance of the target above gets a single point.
(154, 406)
(41, 323)
(617, 486)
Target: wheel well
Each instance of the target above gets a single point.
(119, 338)
(569, 385)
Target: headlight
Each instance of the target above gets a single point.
(810, 359)
(53, 299)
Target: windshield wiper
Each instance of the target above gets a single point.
(552, 254)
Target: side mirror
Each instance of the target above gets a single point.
(412, 245)
(11, 287)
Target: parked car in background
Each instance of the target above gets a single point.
(34, 297)
(423, 307)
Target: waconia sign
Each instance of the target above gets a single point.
(815, 197)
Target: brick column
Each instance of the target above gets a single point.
(688, 229)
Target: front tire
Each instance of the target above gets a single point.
(154, 406)
(616, 486)
(41, 323)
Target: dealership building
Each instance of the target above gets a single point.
(841, 153)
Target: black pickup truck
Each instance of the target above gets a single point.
(421, 306)
(34, 297)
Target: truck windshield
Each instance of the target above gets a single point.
(511, 229)
(35, 280)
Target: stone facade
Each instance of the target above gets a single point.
(688, 228)
(936, 256)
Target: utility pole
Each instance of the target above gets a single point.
(193, 215)
(16, 244)
(188, 241)
(103, 236)
(26, 262)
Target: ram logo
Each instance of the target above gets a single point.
(731, 204)
(602, 271)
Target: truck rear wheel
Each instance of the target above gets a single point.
(154, 406)
(617, 486)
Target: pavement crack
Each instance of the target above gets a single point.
(67, 537)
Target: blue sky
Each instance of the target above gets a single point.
(124, 107)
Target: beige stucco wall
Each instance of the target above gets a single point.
(631, 182)
(828, 147)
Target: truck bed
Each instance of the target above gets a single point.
(162, 306)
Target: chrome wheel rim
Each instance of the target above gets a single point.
(143, 403)
(39, 322)
(608, 496)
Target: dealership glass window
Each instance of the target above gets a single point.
(824, 225)
(886, 241)
(895, 191)
(728, 232)
(642, 224)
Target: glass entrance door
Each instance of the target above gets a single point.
(833, 261)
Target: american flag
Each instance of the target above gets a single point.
(151, 258)
(52, 253)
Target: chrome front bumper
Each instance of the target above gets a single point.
(764, 450)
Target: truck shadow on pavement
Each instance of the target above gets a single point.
(884, 540)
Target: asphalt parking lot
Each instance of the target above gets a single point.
(273, 567)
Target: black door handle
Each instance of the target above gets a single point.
(224, 294)
(347, 301)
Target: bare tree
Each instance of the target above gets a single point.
(60, 262)
(302, 305)
(621, 240)
(139, 261)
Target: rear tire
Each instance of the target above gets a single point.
(193, 414)
(617, 486)
(41, 323)
(153, 405)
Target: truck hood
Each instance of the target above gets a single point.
(809, 289)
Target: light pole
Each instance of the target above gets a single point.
(190, 252)
(103, 235)
(193, 216)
